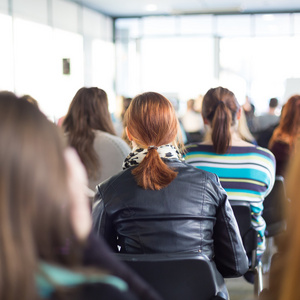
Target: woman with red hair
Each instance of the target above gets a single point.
(282, 142)
(158, 203)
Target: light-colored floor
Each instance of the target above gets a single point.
(240, 289)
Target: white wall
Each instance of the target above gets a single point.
(37, 34)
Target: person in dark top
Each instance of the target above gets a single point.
(158, 203)
(286, 134)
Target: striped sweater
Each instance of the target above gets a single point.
(246, 173)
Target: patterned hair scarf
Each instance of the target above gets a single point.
(138, 154)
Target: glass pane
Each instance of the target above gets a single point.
(159, 25)
(6, 54)
(127, 28)
(272, 25)
(201, 24)
(264, 64)
(180, 66)
(228, 26)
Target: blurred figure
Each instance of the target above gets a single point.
(286, 134)
(243, 129)
(90, 131)
(192, 122)
(159, 204)
(249, 110)
(44, 217)
(269, 118)
(246, 172)
(119, 117)
(285, 268)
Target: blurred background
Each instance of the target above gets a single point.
(180, 48)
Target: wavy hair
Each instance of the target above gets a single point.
(220, 108)
(33, 193)
(87, 112)
(151, 121)
(288, 129)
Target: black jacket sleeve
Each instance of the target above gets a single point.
(102, 223)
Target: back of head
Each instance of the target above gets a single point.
(88, 111)
(151, 121)
(219, 109)
(33, 193)
(30, 100)
(273, 103)
(190, 104)
(289, 125)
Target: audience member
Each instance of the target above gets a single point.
(269, 118)
(193, 123)
(246, 172)
(282, 142)
(159, 204)
(45, 215)
(285, 268)
(90, 131)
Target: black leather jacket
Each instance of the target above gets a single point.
(191, 214)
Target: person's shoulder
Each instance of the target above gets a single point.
(193, 147)
(264, 151)
(114, 180)
(197, 173)
(111, 139)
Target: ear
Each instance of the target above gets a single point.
(128, 134)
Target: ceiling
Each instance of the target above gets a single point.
(131, 8)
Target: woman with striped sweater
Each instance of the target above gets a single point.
(246, 171)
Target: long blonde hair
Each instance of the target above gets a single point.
(34, 200)
(285, 271)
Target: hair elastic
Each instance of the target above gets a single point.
(152, 147)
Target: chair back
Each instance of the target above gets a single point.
(179, 276)
(242, 213)
(273, 208)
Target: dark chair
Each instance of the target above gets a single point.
(273, 208)
(179, 276)
(242, 212)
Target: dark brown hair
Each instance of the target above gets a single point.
(88, 111)
(220, 108)
(288, 129)
(151, 121)
(34, 199)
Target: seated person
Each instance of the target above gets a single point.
(158, 203)
(45, 219)
(89, 129)
(285, 136)
(246, 172)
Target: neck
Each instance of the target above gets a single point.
(236, 139)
